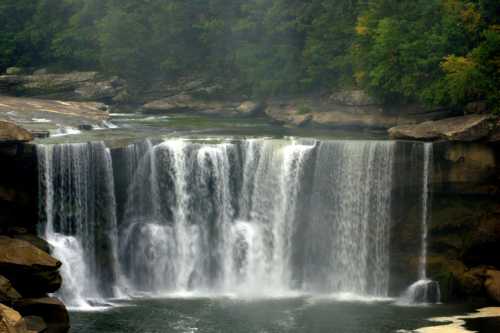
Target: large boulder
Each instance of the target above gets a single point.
(10, 132)
(80, 86)
(7, 292)
(492, 284)
(11, 321)
(465, 128)
(189, 103)
(51, 309)
(32, 271)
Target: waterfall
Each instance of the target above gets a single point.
(424, 290)
(257, 217)
(78, 213)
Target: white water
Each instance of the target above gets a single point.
(254, 218)
(77, 195)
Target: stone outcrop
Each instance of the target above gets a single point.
(466, 128)
(75, 86)
(51, 309)
(10, 132)
(189, 104)
(492, 284)
(39, 115)
(11, 321)
(345, 110)
(32, 271)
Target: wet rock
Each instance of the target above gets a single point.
(10, 132)
(51, 309)
(492, 285)
(31, 271)
(34, 240)
(7, 292)
(465, 128)
(11, 321)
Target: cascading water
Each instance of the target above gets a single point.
(78, 206)
(255, 217)
(241, 217)
(424, 290)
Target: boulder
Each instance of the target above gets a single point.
(492, 285)
(353, 98)
(188, 103)
(51, 309)
(465, 128)
(10, 132)
(249, 108)
(11, 321)
(40, 243)
(31, 271)
(7, 293)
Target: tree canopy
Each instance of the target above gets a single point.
(437, 52)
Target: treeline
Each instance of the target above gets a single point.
(438, 52)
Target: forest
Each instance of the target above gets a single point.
(434, 52)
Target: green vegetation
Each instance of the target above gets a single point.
(437, 52)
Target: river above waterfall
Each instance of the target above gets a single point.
(230, 315)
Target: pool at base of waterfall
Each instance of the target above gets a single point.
(274, 315)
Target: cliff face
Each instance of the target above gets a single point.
(464, 223)
(27, 271)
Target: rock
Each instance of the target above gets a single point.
(11, 321)
(85, 127)
(188, 103)
(466, 128)
(353, 98)
(78, 86)
(41, 115)
(35, 324)
(40, 243)
(249, 108)
(15, 71)
(7, 293)
(51, 309)
(492, 285)
(31, 271)
(10, 132)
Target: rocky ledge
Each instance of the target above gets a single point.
(28, 273)
(20, 116)
(465, 128)
(77, 86)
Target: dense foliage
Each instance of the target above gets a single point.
(438, 52)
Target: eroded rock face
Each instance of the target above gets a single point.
(492, 284)
(11, 321)
(10, 132)
(81, 86)
(51, 309)
(466, 128)
(32, 271)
